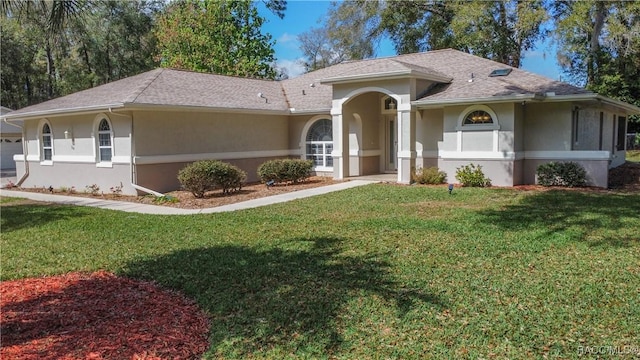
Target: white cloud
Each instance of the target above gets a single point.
(287, 38)
(293, 68)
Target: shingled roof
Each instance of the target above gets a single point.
(311, 92)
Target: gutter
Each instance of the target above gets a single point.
(425, 104)
(25, 151)
(63, 111)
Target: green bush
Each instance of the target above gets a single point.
(206, 175)
(282, 170)
(568, 174)
(471, 175)
(430, 175)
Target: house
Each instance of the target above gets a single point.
(440, 108)
(10, 142)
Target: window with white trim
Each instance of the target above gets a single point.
(478, 117)
(47, 143)
(319, 143)
(105, 149)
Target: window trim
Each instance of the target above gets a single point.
(304, 143)
(484, 126)
(41, 147)
(97, 146)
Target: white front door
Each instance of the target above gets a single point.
(391, 146)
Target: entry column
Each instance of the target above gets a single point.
(340, 151)
(406, 142)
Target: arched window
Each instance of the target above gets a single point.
(478, 117)
(47, 143)
(320, 143)
(105, 150)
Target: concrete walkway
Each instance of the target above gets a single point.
(166, 210)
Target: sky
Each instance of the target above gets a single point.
(302, 15)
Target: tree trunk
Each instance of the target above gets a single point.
(594, 62)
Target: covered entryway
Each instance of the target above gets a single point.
(368, 130)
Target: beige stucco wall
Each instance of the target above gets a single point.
(363, 112)
(164, 177)
(173, 132)
(74, 160)
(547, 127)
(500, 172)
(429, 126)
(597, 170)
(79, 176)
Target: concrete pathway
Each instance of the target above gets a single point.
(166, 210)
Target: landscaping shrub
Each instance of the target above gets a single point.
(430, 175)
(281, 170)
(568, 174)
(202, 176)
(471, 175)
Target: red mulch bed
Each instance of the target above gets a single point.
(98, 316)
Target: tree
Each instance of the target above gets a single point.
(216, 36)
(499, 30)
(320, 50)
(52, 48)
(599, 47)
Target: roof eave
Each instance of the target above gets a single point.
(389, 75)
(294, 111)
(432, 104)
(61, 111)
(146, 107)
(632, 109)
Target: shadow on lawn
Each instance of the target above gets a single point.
(20, 216)
(600, 219)
(291, 300)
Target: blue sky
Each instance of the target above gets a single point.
(301, 15)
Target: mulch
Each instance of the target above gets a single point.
(98, 316)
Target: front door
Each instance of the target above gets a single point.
(391, 146)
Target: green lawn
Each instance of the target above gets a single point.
(380, 271)
(633, 155)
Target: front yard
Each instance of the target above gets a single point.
(381, 271)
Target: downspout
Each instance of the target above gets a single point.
(132, 167)
(25, 151)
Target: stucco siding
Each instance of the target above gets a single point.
(547, 127)
(363, 115)
(429, 130)
(500, 172)
(79, 144)
(164, 177)
(79, 176)
(477, 141)
(171, 133)
(597, 170)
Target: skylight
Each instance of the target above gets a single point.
(500, 72)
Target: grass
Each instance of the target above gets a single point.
(633, 155)
(380, 271)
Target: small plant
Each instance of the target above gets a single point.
(285, 170)
(570, 174)
(164, 199)
(10, 185)
(472, 176)
(116, 190)
(92, 189)
(431, 175)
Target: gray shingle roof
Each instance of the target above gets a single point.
(169, 87)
